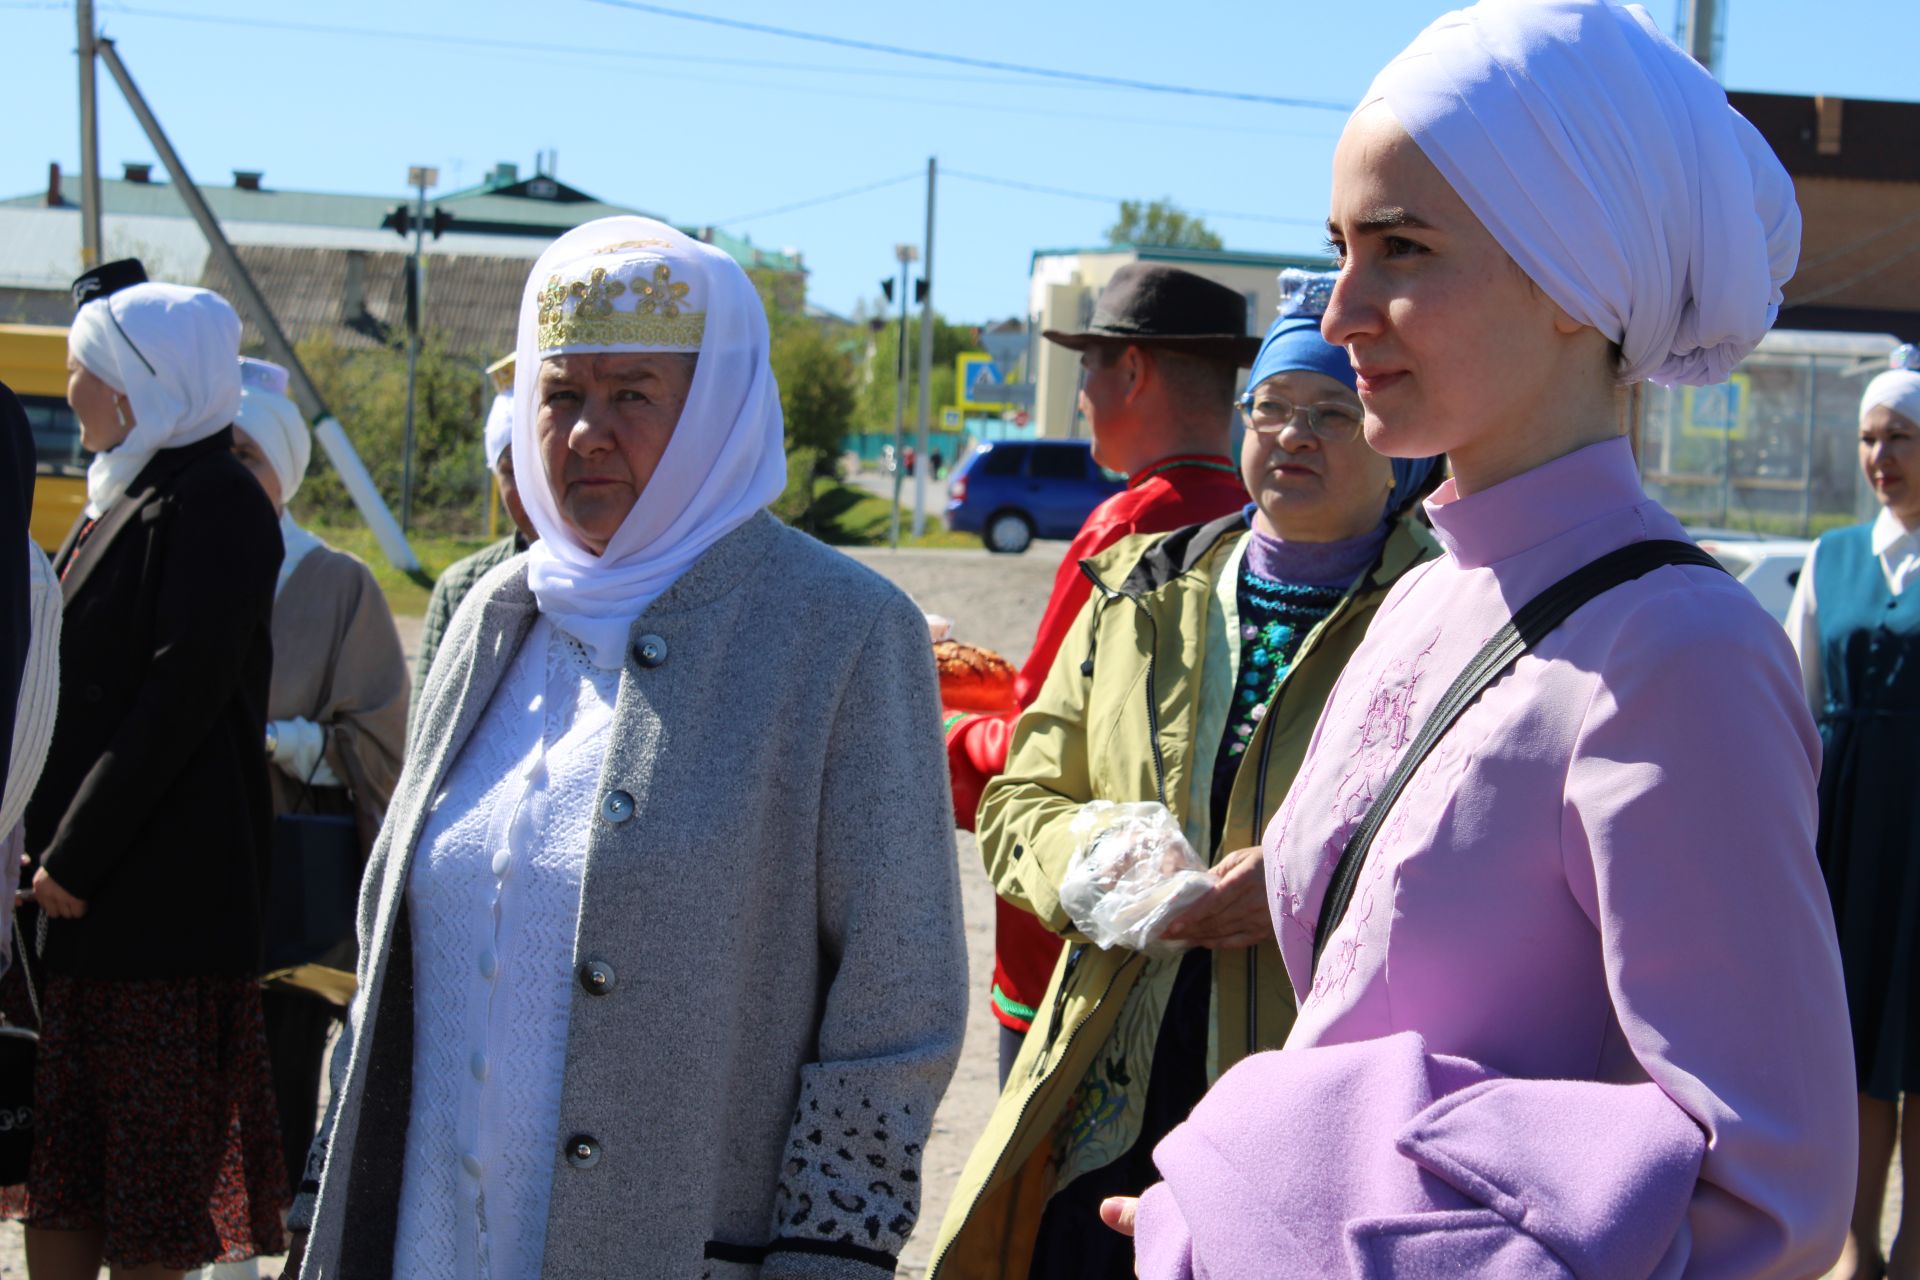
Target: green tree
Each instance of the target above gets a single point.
(366, 389)
(880, 374)
(1161, 223)
(816, 387)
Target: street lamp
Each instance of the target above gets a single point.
(419, 177)
(905, 255)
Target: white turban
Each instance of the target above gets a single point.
(174, 353)
(499, 428)
(632, 284)
(274, 422)
(1898, 389)
(1610, 166)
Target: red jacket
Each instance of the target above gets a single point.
(1171, 494)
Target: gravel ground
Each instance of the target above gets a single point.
(994, 601)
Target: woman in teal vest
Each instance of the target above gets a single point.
(1856, 625)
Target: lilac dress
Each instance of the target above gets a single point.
(1606, 870)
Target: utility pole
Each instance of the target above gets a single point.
(90, 246)
(326, 428)
(926, 369)
(1703, 19)
(420, 178)
(906, 255)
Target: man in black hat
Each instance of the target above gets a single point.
(1161, 360)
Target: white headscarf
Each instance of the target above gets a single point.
(633, 284)
(274, 423)
(1610, 166)
(1898, 389)
(174, 353)
(499, 433)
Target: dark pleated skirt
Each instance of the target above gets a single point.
(1870, 854)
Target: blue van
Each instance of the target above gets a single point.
(1013, 491)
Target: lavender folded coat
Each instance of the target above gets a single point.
(1377, 1159)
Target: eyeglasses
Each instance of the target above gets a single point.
(1267, 412)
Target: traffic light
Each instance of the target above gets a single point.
(886, 287)
(401, 221)
(919, 291)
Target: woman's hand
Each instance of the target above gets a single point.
(54, 900)
(1234, 912)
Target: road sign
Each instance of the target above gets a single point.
(1718, 411)
(979, 377)
(1022, 418)
(952, 419)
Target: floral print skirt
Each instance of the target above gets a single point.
(154, 1119)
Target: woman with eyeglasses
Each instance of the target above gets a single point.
(1193, 678)
(156, 1142)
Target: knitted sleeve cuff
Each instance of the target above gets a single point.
(798, 1259)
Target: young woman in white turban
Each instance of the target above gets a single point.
(337, 711)
(1858, 633)
(1604, 871)
(660, 959)
(155, 1138)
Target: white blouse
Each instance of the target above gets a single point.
(494, 900)
(1898, 549)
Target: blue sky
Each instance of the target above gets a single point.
(709, 125)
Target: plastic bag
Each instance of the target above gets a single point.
(1132, 872)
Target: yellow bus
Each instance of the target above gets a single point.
(33, 364)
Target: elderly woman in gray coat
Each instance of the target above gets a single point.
(661, 966)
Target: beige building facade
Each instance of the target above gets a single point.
(1063, 284)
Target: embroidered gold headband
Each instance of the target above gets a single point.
(587, 310)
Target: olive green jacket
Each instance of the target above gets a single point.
(1150, 660)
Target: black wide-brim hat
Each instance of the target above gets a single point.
(1150, 305)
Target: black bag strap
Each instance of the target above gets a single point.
(1537, 619)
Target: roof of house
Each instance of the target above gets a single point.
(537, 207)
(472, 302)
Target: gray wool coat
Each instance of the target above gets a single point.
(770, 975)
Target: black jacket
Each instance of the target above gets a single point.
(153, 807)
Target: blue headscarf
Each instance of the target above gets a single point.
(1294, 343)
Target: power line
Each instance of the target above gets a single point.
(827, 199)
(1855, 278)
(498, 45)
(1114, 200)
(522, 49)
(988, 64)
(1833, 255)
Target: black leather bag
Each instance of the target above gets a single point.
(313, 892)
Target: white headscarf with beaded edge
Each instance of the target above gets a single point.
(727, 458)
